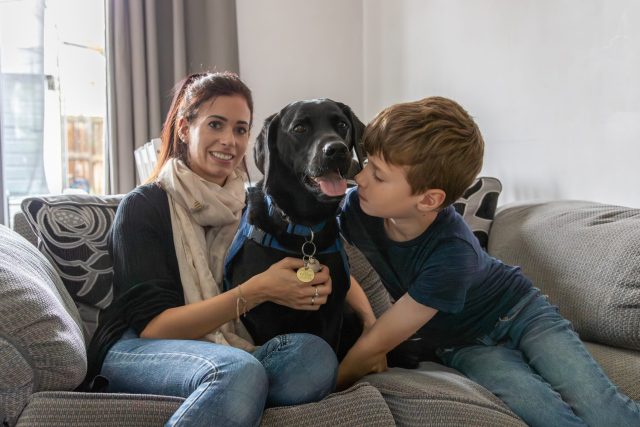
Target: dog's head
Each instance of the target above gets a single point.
(306, 151)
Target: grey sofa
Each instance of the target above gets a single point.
(586, 256)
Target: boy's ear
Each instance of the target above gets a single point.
(432, 199)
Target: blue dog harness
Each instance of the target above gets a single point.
(251, 232)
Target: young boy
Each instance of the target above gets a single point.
(478, 315)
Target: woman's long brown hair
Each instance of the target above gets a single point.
(189, 94)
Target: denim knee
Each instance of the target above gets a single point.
(320, 361)
(217, 381)
(301, 368)
(243, 369)
(233, 393)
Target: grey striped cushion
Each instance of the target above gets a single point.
(359, 406)
(65, 409)
(585, 256)
(369, 280)
(41, 343)
(434, 395)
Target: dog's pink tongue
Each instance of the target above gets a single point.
(332, 184)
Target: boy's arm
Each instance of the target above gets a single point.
(358, 301)
(397, 324)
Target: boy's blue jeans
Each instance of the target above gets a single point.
(223, 385)
(535, 363)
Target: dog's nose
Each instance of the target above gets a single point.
(335, 149)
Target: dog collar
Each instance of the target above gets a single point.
(292, 228)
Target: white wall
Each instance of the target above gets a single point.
(554, 85)
(300, 49)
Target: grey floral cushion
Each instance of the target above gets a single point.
(478, 206)
(72, 232)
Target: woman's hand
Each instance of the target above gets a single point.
(280, 284)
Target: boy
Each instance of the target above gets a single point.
(475, 313)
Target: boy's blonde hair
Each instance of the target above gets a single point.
(436, 141)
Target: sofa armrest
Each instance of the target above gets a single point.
(16, 381)
(41, 345)
(65, 409)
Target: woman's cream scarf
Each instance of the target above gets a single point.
(204, 218)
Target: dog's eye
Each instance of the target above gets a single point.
(342, 125)
(299, 129)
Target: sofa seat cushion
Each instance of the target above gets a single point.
(360, 405)
(434, 395)
(585, 256)
(621, 365)
(41, 342)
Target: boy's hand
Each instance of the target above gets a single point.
(406, 355)
(379, 364)
(397, 324)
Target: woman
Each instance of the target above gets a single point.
(171, 330)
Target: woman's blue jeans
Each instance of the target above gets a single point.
(223, 385)
(535, 363)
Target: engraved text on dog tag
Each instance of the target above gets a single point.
(305, 274)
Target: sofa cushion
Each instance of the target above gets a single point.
(434, 395)
(621, 365)
(360, 405)
(72, 232)
(41, 342)
(368, 279)
(63, 409)
(585, 256)
(478, 206)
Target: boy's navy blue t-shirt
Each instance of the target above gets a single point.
(444, 268)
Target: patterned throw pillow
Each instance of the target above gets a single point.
(478, 206)
(72, 232)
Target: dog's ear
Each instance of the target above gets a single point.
(260, 148)
(265, 146)
(357, 129)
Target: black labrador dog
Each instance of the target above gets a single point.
(306, 152)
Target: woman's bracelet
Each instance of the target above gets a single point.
(241, 300)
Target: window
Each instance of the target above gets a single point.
(53, 93)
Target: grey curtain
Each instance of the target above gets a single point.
(150, 46)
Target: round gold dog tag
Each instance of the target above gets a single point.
(305, 274)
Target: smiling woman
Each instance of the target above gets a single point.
(217, 139)
(170, 314)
